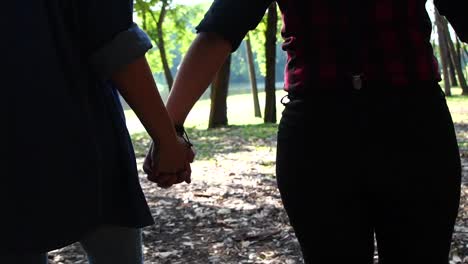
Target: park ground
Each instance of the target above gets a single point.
(232, 212)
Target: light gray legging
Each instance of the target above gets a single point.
(107, 245)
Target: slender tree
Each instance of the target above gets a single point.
(443, 47)
(463, 55)
(161, 43)
(253, 76)
(455, 59)
(170, 27)
(219, 94)
(450, 50)
(270, 50)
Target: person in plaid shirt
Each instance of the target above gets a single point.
(366, 145)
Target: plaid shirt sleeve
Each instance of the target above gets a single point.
(455, 12)
(232, 19)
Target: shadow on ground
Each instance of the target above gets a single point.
(232, 212)
(213, 142)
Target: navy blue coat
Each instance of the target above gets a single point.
(70, 163)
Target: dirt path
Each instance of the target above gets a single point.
(232, 212)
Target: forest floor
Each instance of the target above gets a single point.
(232, 212)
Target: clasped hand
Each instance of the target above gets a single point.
(168, 165)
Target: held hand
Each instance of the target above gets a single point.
(187, 175)
(167, 165)
(150, 166)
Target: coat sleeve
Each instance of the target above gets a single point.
(108, 34)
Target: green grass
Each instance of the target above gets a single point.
(247, 132)
(210, 143)
(458, 105)
(240, 112)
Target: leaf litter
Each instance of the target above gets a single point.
(232, 212)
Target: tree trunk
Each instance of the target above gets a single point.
(451, 54)
(464, 56)
(443, 52)
(461, 53)
(162, 46)
(253, 77)
(219, 93)
(451, 69)
(143, 16)
(270, 50)
(456, 61)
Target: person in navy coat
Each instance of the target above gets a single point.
(71, 173)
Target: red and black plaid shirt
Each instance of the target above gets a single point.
(329, 41)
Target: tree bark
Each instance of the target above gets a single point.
(270, 50)
(143, 15)
(219, 94)
(455, 60)
(162, 46)
(462, 54)
(443, 52)
(253, 77)
(451, 69)
(451, 54)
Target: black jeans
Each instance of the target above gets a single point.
(380, 161)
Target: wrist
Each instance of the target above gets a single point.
(165, 137)
(180, 131)
(167, 142)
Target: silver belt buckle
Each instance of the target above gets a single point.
(357, 82)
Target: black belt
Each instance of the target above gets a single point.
(358, 84)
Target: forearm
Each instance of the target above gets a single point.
(201, 63)
(136, 84)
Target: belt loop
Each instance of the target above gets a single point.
(283, 101)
